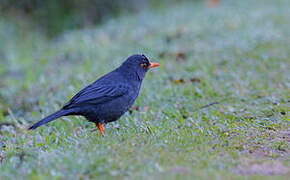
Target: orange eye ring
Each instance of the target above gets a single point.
(143, 65)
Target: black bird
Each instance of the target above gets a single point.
(109, 97)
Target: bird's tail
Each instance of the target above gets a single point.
(49, 118)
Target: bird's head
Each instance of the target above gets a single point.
(138, 64)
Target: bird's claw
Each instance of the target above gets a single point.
(101, 129)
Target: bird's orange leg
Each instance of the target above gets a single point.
(101, 128)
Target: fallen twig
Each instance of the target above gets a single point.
(205, 106)
(6, 124)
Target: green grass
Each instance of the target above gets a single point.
(237, 55)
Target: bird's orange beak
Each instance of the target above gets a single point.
(153, 64)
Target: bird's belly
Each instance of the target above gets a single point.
(114, 110)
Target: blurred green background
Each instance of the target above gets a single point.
(55, 16)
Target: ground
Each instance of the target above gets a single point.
(216, 108)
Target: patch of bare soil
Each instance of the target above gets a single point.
(264, 168)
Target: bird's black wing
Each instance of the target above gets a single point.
(93, 94)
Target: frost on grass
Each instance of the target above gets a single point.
(219, 98)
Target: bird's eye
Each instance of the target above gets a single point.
(144, 65)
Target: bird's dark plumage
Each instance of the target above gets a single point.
(109, 97)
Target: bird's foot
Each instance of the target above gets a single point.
(101, 129)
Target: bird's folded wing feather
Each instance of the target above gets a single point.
(97, 95)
